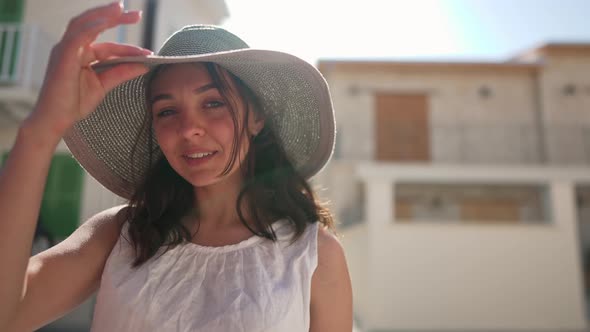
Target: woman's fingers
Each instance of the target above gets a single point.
(121, 73)
(72, 89)
(104, 51)
(75, 48)
(118, 74)
(112, 9)
(89, 31)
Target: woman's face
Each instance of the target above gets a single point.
(193, 124)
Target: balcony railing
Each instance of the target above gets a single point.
(480, 144)
(511, 144)
(24, 51)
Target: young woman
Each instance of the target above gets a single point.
(212, 143)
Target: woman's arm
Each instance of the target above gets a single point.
(22, 180)
(63, 276)
(331, 290)
(71, 91)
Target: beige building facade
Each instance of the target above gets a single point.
(462, 190)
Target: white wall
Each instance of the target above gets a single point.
(355, 241)
(568, 143)
(96, 198)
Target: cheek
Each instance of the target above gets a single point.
(163, 136)
(222, 130)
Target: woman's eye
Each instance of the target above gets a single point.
(164, 112)
(214, 104)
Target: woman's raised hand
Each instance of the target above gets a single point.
(72, 89)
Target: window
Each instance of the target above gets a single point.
(470, 203)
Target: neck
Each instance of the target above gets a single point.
(217, 203)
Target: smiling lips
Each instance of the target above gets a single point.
(198, 157)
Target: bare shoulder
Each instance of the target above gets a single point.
(112, 219)
(332, 268)
(104, 227)
(331, 290)
(330, 252)
(115, 215)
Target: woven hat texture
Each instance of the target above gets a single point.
(295, 100)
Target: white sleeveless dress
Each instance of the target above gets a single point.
(255, 285)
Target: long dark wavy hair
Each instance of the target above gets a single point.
(272, 188)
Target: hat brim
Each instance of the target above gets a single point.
(295, 98)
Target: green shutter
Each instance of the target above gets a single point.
(11, 11)
(60, 209)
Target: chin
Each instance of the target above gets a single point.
(202, 180)
(207, 177)
(201, 183)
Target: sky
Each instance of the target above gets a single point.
(428, 30)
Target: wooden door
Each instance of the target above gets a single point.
(402, 127)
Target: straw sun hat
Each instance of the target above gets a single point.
(294, 97)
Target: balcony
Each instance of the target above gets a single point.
(466, 275)
(24, 52)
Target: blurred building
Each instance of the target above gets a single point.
(28, 31)
(463, 190)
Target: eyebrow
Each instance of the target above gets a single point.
(195, 91)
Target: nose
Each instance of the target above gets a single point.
(191, 124)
